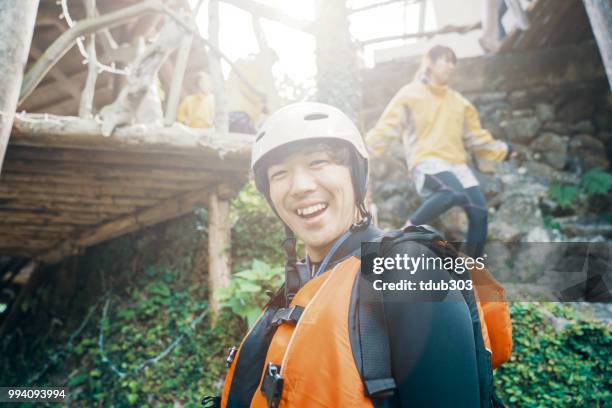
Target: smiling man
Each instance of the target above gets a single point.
(309, 346)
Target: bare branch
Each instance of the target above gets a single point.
(381, 4)
(86, 103)
(272, 13)
(57, 50)
(427, 34)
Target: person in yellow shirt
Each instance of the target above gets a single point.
(198, 110)
(246, 96)
(438, 127)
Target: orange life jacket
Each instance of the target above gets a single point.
(316, 360)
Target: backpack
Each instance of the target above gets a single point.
(488, 310)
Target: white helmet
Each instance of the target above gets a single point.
(305, 120)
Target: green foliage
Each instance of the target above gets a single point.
(256, 233)
(596, 181)
(563, 194)
(550, 223)
(248, 291)
(556, 369)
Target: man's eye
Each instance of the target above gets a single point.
(277, 175)
(319, 163)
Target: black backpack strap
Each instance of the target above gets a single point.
(374, 343)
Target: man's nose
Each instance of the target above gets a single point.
(303, 182)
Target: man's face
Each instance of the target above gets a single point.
(314, 196)
(441, 70)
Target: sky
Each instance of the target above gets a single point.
(296, 50)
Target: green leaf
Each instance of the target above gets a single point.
(563, 194)
(95, 373)
(596, 181)
(77, 379)
(132, 398)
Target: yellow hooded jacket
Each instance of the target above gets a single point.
(434, 122)
(197, 111)
(241, 97)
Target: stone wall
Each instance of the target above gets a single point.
(554, 106)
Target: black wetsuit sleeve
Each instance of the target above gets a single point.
(432, 342)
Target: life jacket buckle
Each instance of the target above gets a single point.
(272, 385)
(211, 401)
(230, 356)
(287, 315)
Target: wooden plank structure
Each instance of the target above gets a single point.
(69, 182)
(65, 186)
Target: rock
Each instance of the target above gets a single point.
(488, 97)
(553, 148)
(519, 99)
(560, 128)
(454, 224)
(604, 136)
(490, 184)
(584, 126)
(521, 130)
(522, 113)
(545, 112)
(603, 120)
(587, 152)
(518, 214)
(393, 211)
(576, 109)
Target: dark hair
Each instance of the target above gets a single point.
(340, 152)
(438, 51)
(435, 53)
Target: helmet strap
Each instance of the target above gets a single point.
(292, 277)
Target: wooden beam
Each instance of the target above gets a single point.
(176, 86)
(54, 206)
(97, 170)
(36, 218)
(18, 18)
(165, 210)
(273, 102)
(214, 65)
(120, 158)
(427, 34)
(220, 149)
(102, 199)
(219, 245)
(126, 182)
(59, 188)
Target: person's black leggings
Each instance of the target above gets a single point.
(448, 192)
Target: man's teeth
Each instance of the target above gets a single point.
(311, 210)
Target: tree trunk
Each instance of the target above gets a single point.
(337, 64)
(18, 18)
(600, 15)
(219, 235)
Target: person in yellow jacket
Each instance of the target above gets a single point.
(247, 95)
(198, 110)
(438, 127)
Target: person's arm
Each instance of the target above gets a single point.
(390, 124)
(432, 341)
(479, 140)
